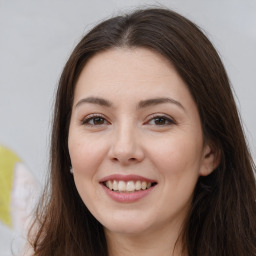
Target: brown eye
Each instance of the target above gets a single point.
(95, 120)
(98, 120)
(161, 121)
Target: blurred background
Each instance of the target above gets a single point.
(37, 37)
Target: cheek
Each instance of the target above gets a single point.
(179, 156)
(86, 154)
(86, 157)
(178, 166)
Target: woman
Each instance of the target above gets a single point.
(148, 156)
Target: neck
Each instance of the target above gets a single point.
(164, 242)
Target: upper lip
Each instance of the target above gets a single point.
(126, 178)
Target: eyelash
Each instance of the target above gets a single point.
(167, 120)
(94, 117)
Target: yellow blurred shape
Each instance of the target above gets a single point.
(8, 159)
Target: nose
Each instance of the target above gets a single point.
(126, 146)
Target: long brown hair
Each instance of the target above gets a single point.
(222, 217)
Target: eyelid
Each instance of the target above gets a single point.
(87, 118)
(158, 115)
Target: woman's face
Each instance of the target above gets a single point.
(135, 141)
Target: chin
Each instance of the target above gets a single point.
(131, 224)
(126, 229)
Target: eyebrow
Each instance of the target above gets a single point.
(141, 104)
(95, 100)
(156, 101)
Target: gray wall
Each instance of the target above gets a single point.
(36, 38)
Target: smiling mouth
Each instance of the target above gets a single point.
(129, 186)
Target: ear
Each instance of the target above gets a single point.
(210, 159)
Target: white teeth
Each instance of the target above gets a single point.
(130, 186)
(144, 185)
(109, 184)
(121, 186)
(138, 185)
(115, 185)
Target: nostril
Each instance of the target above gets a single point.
(129, 160)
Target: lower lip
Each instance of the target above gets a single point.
(129, 197)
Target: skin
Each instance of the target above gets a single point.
(162, 142)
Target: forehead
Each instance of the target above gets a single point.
(136, 72)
